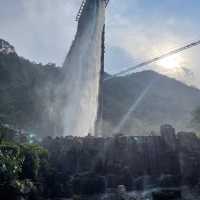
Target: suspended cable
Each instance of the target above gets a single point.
(170, 53)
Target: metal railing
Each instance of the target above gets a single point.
(82, 7)
(80, 10)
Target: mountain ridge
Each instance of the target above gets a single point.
(164, 97)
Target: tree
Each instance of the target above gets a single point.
(20, 165)
(33, 157)
(10, 162)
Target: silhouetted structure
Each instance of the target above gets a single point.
(138, 162)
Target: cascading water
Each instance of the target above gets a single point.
(82, 71)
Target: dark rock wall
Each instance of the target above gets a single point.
(165, 160)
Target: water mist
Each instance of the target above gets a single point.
(81, 71)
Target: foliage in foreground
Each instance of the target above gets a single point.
(20, 168)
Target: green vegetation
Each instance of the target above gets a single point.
(26, 87)
(20, 165)
(33, 172)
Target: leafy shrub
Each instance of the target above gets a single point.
(19, 167)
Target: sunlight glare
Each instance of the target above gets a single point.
(171, 62)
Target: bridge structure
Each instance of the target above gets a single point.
(82, 7)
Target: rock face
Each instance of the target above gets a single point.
(138, 163)
(166, 195)
(168, 134)
(189, 157)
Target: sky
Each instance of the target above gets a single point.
(136, 30)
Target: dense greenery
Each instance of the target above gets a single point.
(26, 87)
(20, 168)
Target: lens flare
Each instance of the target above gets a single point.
(170, 63)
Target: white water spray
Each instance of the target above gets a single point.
(82, 71)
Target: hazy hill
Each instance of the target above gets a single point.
(27, 92)
(167, 101)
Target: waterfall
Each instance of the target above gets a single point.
(82, 72)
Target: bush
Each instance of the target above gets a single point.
(10, 163)
(19, 167)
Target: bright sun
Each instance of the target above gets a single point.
(170, 63)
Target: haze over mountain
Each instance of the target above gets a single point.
(27, 92)
(166, 101)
